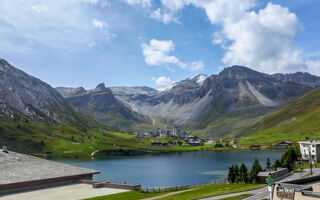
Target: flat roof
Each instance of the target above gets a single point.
(17, 167)
(308, 142)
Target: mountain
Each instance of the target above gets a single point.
(293, 121)
(68, 91)
(34, 98)
(35, 118)
(299, 77)
(199, 79)
(101, 104)
(31, 111)
(197, 105)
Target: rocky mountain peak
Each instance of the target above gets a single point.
(237, 72)
(101, 86)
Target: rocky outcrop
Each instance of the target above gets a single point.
(299, 77)
(68, 91)
(101, 104)
(25, 94)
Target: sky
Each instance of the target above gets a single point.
(154, 43)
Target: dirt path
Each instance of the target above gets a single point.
(169, 194)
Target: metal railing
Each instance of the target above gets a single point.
(184, 187)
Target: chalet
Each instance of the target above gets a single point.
(194, 143)
(159, 144)
(276, 175)
(21, 172)
(283, 144)
(255, 146)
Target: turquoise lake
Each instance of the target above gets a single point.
(173, 169)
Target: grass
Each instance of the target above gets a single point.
(237, 197)
(132, 195)
(50, 139)
(211, 190)
(306, 175)
(199, 192)
(306, 166)
(293, 121)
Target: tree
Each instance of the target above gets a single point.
(276, 164)
(288, 158)
(256, 168)
(231, 177)
(243, 173)
(42, 143)
(268, 164)
(236, 174)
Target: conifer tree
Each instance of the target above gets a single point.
(243, 173)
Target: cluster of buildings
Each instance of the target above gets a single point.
(310, 150)
(173, 131)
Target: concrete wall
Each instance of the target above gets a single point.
(37, 184)
(118, 186)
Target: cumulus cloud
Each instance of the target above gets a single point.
(144, 3)
(99, 24)
(162, 81)
(263, 39)
(157, 52)
(164, 16)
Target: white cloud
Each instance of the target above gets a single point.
(164, 16)
(162, 81)
(313, 66)
(176, 4)
(59, 24)
(263, 40)
(157, 52)
(99, 24)
(102, 3)
(39, 8)
(144, 3)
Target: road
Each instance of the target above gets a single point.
(263, 193)
(255, 192)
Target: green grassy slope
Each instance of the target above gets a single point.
(296, 120)
(53, 139)
(226, 123)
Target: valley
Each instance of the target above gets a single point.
(237, 104)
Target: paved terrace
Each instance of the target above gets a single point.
(17, 168)
(68, 192)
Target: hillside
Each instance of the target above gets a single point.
(35, 118)
(293, 121)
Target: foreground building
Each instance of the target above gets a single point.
(308, 148)
(21, 172)
(297, 189)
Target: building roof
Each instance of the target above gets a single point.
(17, 167)
(310, 142)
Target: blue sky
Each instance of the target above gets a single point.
(156, 42)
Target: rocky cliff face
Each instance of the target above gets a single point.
(20, 92)
(101, 104)
(299, 77)
(68, 91)
(235, 88)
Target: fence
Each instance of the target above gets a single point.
(176, 188)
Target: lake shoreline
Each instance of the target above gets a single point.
(141, 152)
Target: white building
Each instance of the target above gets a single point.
(310, 147)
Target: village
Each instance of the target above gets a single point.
(180, 137)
